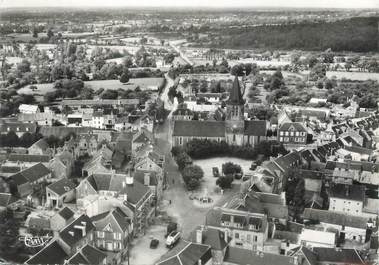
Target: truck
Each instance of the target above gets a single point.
(172, 239)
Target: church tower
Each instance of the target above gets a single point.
(235, 124)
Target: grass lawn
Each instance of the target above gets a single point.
(143, 83)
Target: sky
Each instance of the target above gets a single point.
(195, 3)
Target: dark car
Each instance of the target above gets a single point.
(154, 243)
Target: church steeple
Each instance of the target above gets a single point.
(235, 97)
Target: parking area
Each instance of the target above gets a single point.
(141, 253)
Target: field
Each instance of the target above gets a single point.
(143, 83)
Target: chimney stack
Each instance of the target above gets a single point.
(199, 236)
(347, 190)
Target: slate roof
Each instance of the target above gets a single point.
(349, 192)
(187, 253)
(215, 238)
(66, 213)
(199, 128)
(332, 255)
(6, 199)
(41, 144)
(50, 254)
(139, 176)
(88, 255)
(242, 256)
(255, 128)
(299, 127)
(6, 127)
(30, 174)
(72, 240)
(114, 182)
(62, 186)
(337, 218)
(116, 217)
(28, 158)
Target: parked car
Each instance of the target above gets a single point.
(253, 166)
(172, 239)
(154, 243)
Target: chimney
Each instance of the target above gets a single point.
(129, 179)
(82, 228)
(146, 179)
(199, 236)
(295, 260)
(123, 184)
(347, 190)
(71, 233)
(226, 236)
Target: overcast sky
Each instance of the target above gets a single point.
(184, 3)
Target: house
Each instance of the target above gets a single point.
(187, 253)
(103, 120)
(52, 253)
(62, 164)
(60, 192)
(26, 180)
(100, 162)
(292, 133)
(61, 219)
(152, 162)
(24, 160)
(39, 148)
(8, 201)
(182, 114)
(76, 234)
(235, 130)
(347, 198)
(88, 255)
(113, 230)
(239, 256)
(151, 179)
(19, 128)
(117, 190)
(322, 255)
(349, 227)
(28, 109)
(215, 239)
(314, 238)
(247, 230)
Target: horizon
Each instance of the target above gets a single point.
(193, 4)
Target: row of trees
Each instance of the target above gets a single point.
(12, 140)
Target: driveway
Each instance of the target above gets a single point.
(140, 251)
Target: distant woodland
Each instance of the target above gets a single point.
(358, 34)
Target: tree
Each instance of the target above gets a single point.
(231, 168)
(225, 182)
(124, 78)
(192, 175)
(35, 33)
(50, 33)
(183, 159)
(317, 72)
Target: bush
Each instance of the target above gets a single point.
(225, 182)
(231, 168)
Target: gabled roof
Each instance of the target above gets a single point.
(215, 238)
(242, 256)
(88, 255)
(297, 126)
(28, 158)
(349, 192)
(336, 218)
(332, 255)
(116, 218)
(50, 254)
(31, 174)
(187, 253)
(6, 127)
(66, 213)
(70, 239)
(6, 199)
(41, 144)
(62, 186)
(199, 128)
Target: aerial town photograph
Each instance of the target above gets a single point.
(190, 132)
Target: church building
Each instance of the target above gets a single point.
(235, 130)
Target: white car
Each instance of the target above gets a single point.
(172, 238)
